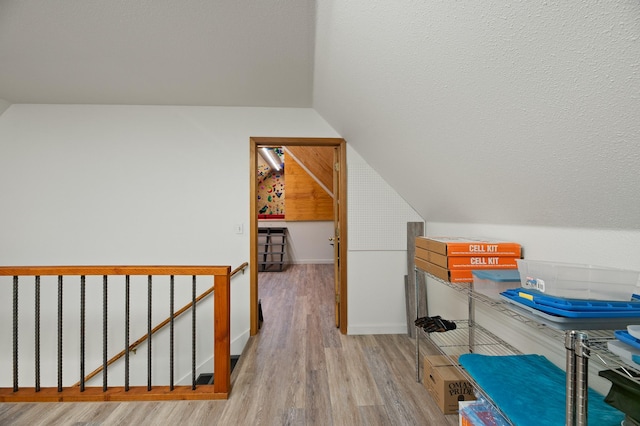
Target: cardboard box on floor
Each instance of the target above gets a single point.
(445, 383)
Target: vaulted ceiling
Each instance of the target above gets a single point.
(157, 52)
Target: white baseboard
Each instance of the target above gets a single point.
(238, 344)
(310, 261)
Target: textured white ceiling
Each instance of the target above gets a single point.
(160, 52)
(490, 112)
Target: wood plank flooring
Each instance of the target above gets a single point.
(299, 370)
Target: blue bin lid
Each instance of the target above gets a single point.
(498, 275)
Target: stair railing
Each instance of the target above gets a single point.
(221, 334)
(161, 325)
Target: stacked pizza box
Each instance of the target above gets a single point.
(453, 258)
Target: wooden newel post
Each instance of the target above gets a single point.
(221, 330)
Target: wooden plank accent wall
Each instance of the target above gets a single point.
(305, 199)
(318, 160)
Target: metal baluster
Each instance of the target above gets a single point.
(582, 378)
(37, 333)
(570, 404)
(59, 333)
(15, 333)
(126, 333)
(193, 333)
(82, 329)
(104, 333)
(472, 318)
(149, 333)
(171, 295)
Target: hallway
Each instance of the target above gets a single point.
(299, 370)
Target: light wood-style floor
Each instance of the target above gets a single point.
(299, 370)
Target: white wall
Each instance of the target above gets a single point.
(4, 105)
(376, 292)
(307, 241)
(131, 185)
(377, 250)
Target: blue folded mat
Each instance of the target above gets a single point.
(531, 391)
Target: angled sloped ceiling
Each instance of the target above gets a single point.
(501, 112)
(161, 52)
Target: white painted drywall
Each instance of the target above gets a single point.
(376, 292)
(4, 105)
(378, 216)
(129, 185)
(307, 241)
(522, 113)
(377, 244)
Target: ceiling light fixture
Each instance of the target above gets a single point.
(272, 158)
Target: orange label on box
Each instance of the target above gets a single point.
(482, 262)
(459, 246)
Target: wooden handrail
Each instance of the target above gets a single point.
(112, 270)
(179, 312)
(239, 268)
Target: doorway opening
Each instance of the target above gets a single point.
(339, 218)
